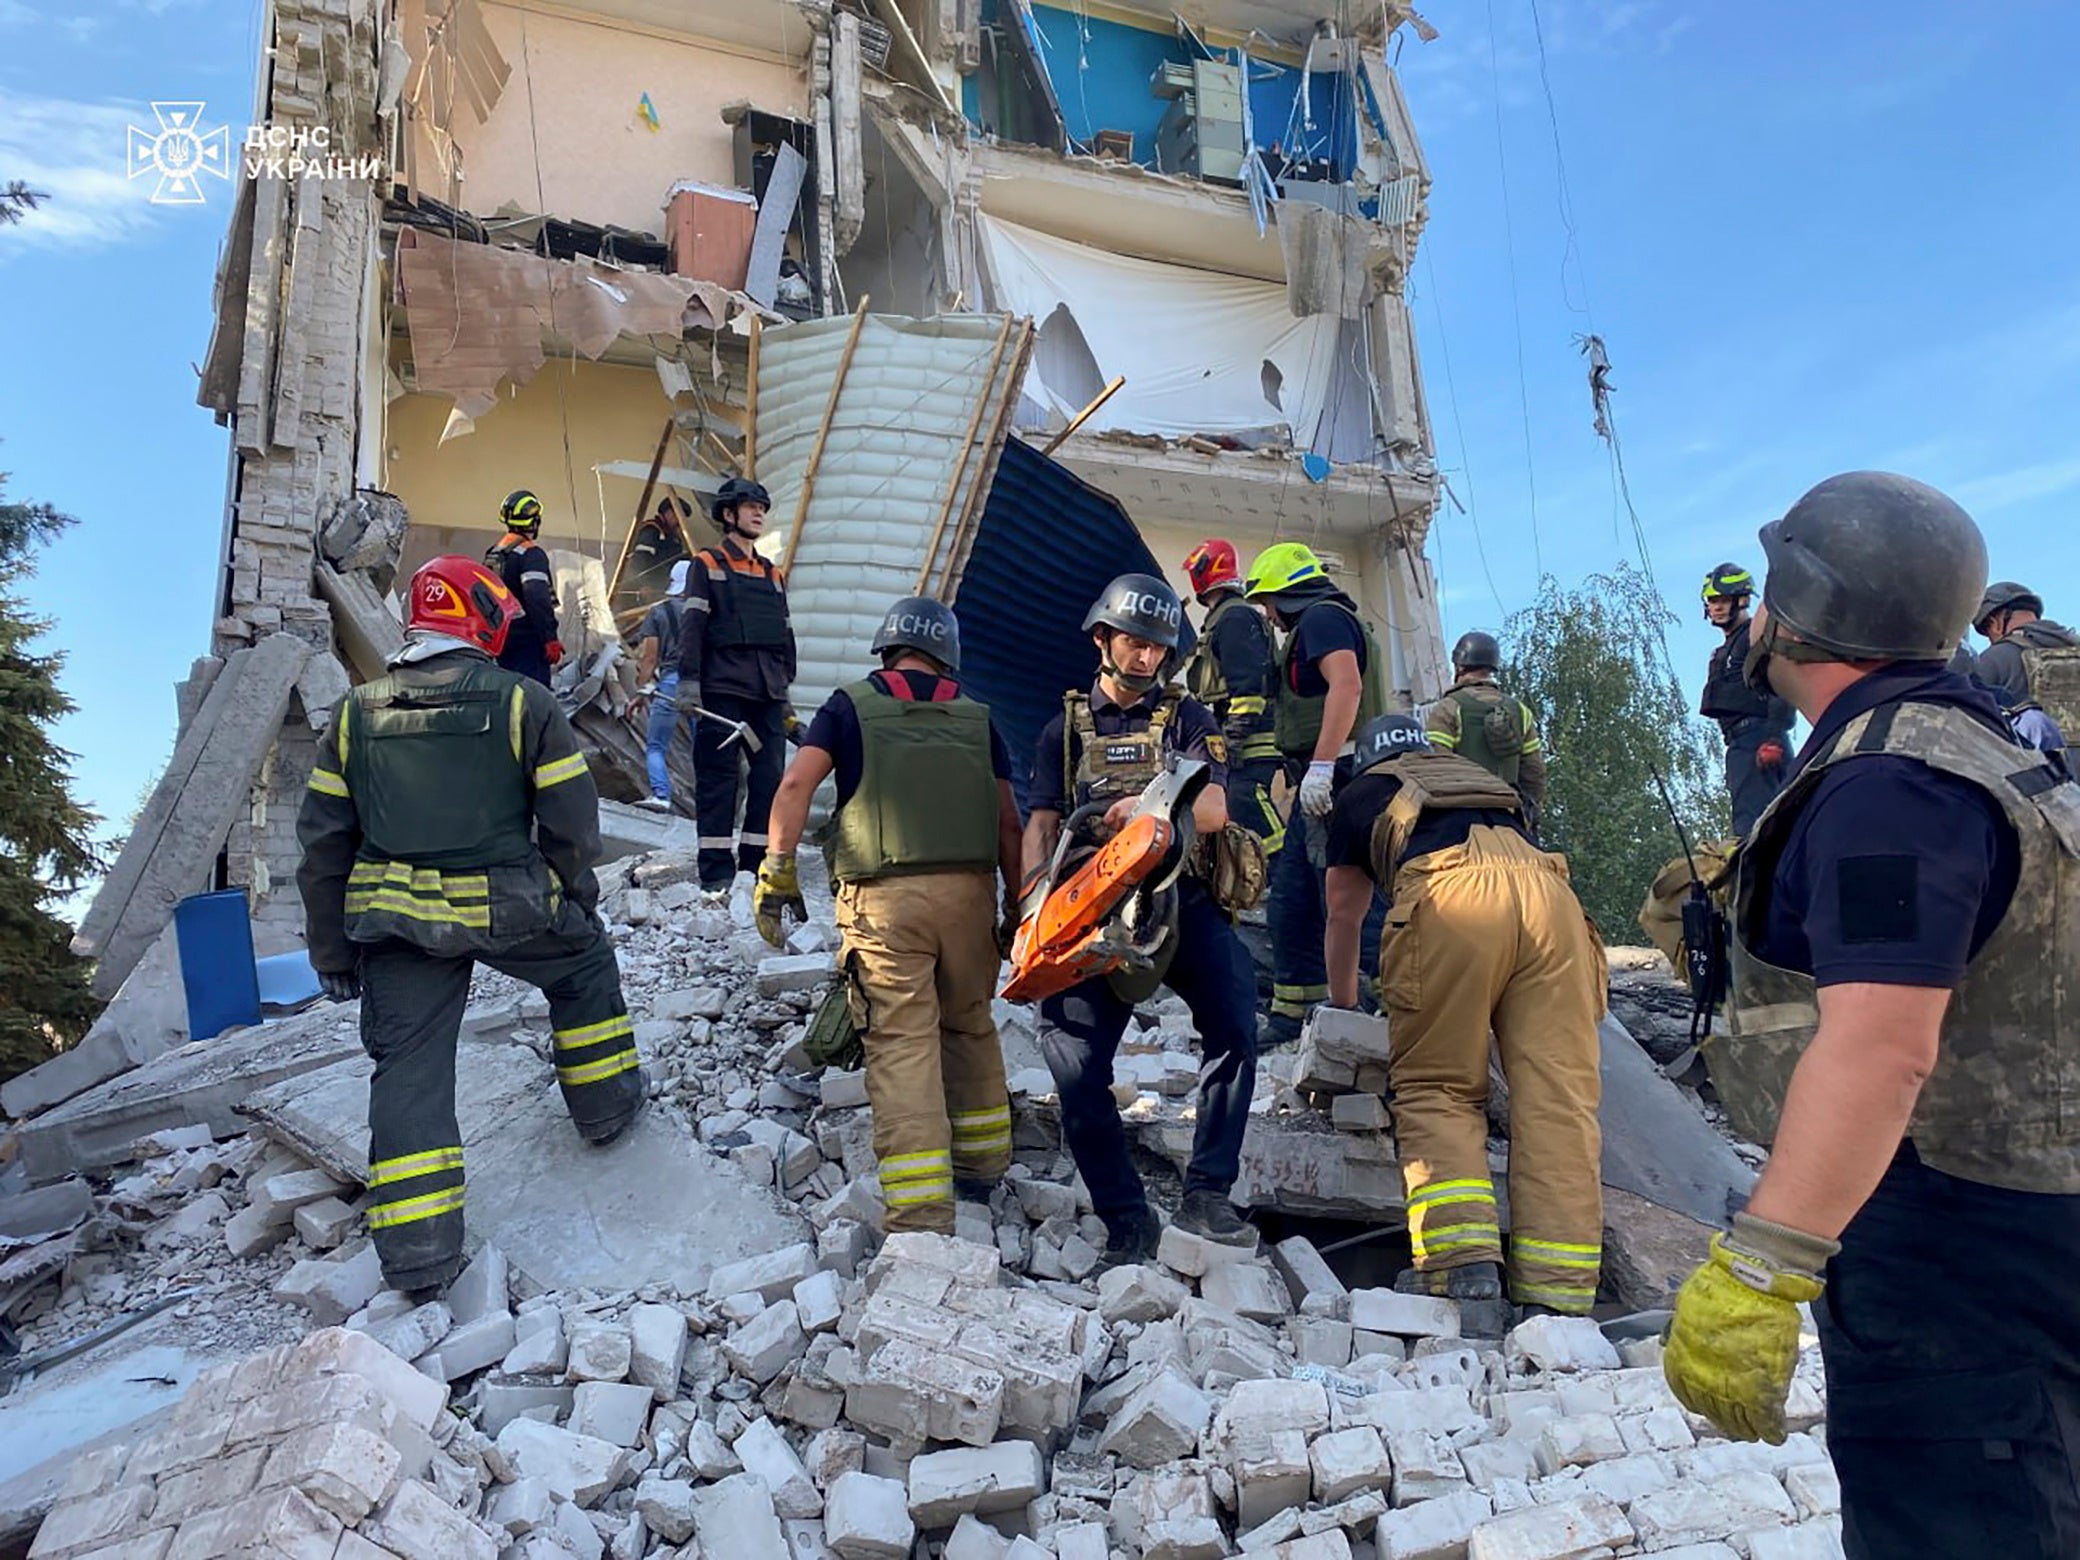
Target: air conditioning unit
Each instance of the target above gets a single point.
(1201, 133)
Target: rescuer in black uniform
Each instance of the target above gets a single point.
(531, 647)
(736, 661)
(1755, 724)
(1233, 672)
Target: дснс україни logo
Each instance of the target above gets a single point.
(180, 152)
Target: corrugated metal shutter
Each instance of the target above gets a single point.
(1049, 542)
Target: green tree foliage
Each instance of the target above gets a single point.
(46, 844)
(1592, 662)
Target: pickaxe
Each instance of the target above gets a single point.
(739, 731)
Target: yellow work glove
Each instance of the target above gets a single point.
(1733, 1343)
(778, 890)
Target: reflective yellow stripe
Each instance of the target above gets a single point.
(1455, 1237)
(1561, 1297)
(1478, 1199)
(420, 909)
(385, 1172)
(605, 1029)
(410, 1211)
(975, 1123)
(556, 773)
(346, 705)
(1443, 740)
(1547, 1253)
(594, 1072)
(516, 709)
(326, 783)
(1573, 1248)
(910, 1197)
(1246, 704)
(418, 880)
(1437, 1189)
(907, 1164)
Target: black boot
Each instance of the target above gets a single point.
(1473, 1281)
(1130, 1238)
(975, 1188)
(1210, 1216)
(601, 1135)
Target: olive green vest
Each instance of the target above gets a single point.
(927, 797)
(432, 759)
(2003, 1104)
(1202, 673)
(1476, 703)
(1296, 720)
(1430, 782)
(1114, 766)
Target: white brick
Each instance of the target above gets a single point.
(344, 1468)
(766, 1455)
(79, 1524)
(1821, 1540)
(1710, 1510)
(818, 1300)
(1658, 1430)
(613, 1411)
(1426, 1467)
(417, 1522)
(1306, 1272)
(482, 1288)
(666, 1507)
(1320, 1340)
(1194, 1255)
(1136, 1293)
(1437, 1411)
(1272, 1474)
(332, 1291)
(275, 1522)
(578, 1468)
(1348, 1461)
(1560, 1343)
(1568, 1531)
(984, 1480)
(1331, 1545)
(1245, 1289)
(1258, 1407)
(519, 1507)
(1625, 1479)
(1360, 1113)
(416, 1332)
(781, 973)
(472, 1347)
(598, 1352)
(772, 1274)
(1577, 1442)
(767, 1344)
(957, 1260)
(974, 1539)
(1159, 1423)
(337, 1351)
(500, 1401)
(1194, 1538)
(1405, 1316)
(1815, 1487)
(1487, 1463)
(1434, 1530)
(869, 1519)
(911, 1393)
(540, 1347)
(735, 1519)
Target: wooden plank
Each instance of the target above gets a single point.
(963, 538)
(751, 404)
(823, 433)
(628, 540)
(1084, 416)
(953, 487)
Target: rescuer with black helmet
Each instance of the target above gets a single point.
(2011, 616)
(1754, 723)
(1478, 721)
(532, 648)
(736, 661)
(1102, 750)
(1484, 934)
(1898, 1031)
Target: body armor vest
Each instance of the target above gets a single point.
(1431, 782)
(1203, 676)
(2003, 1104)
(927, 797)
(1296, 718)
(1114, 766)
(749, 610)
(433, 761)
(507, 558)
(1728, 699)
(1483, 708)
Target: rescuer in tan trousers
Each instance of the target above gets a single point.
(925, 822)
(1483, 931)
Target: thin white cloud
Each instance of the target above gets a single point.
(77, 154)
(1998, 490)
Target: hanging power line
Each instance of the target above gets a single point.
(1573, 251)
(1516, 307)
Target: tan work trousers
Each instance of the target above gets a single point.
(921, 959)
(1484, 934)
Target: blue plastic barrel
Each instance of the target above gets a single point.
(215, 934)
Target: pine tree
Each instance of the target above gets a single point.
(46, 844)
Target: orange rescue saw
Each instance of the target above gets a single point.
(1104, 905)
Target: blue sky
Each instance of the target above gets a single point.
(1814, 240)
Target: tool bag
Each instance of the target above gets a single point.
(1235, 867)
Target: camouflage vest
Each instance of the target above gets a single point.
(927, 797)
(1296, 718)
(1114, 766)
(1430, 782)
(1202, 673)
(2051, 663)
(1494, 729)
(2003, 1104)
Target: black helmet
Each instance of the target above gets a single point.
(1873, 566)
(735, 491)
(1728, 580)
(522, 512)
(924, 625)
(1476, 650)
(1387, 737)
(1141, 605)
(2003, 595)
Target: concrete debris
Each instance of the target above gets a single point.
(764, 1375)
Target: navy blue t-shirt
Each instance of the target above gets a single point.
(1322, 630)
(835, 730)
(1192, 731)
(1361, 802)
(1895, 873)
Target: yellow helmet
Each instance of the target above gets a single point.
(1280, 567)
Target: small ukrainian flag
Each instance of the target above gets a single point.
(647, 111)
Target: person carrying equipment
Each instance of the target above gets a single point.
(736, 662)
(1233, 673)
(450, 820)
(1331, 680)
(924, 825)
(531, 646)
(1483, 932)
(1754, 724)
(1480, 722)
(1903, 944)
(1093, 759)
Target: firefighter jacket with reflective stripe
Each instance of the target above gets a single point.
(1431, 782)
(2003, 1104)
(417, 820)
(1115, 766)
(524, 567)
(1232, 672)
(1729, 700)
(1296, 718)
(736, 636)
(927, 797)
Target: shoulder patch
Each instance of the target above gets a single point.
(1217, 748)
(1879, 898)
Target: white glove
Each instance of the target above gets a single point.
(1317, 791)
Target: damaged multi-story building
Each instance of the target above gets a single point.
(998, 298)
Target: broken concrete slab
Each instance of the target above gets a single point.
(1656, 1145)
(602, 1229)
(199, 1084)
(362, 618)
(631, 831)
(46, 1210)
(148, 1017)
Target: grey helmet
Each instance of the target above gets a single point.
(2003, 596)
(1475, 651)
(1874, 566)
(924, 625)
(1388, 737)
(1141, 605)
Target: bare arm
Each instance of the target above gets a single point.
(1349, 895)
(1340, 709)
(791, 802)
(1851, 1097)
(1210, 810)
(646, 662)
(1043, 828)
(1010, 839)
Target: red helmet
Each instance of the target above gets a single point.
(461, 598)
(1213, 562)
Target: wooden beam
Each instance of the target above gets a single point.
(823, 433)
(982, 402)
(751, 408)
(978, 496)
(628, 541)
(1084, 416)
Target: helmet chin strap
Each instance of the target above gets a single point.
(1133, 682)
